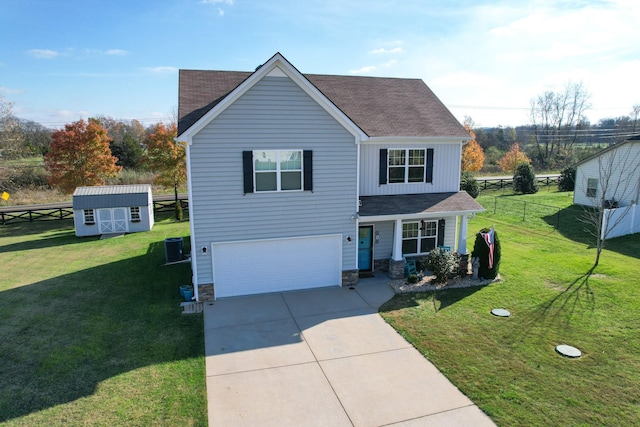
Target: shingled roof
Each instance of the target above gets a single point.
(418, 204)
(379, 106)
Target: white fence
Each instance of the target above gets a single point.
(620, 221)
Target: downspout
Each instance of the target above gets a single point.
(194, 262)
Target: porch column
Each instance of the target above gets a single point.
(396, 264)
(396, 253)
(462, 235)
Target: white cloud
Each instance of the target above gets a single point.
(164, 69)
(43, 53)
(227, 2)
(4, 89)
(117, 52)
(364, 70)
(387, 51)
(371, 68)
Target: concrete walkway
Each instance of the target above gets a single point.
(322, 357)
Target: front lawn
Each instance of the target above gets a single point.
(92, 332)
(508, 366)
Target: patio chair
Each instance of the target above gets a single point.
(445, 248)
(409, 267)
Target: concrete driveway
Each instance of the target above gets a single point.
(322, 357)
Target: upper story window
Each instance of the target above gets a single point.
(135, 213)
(406, 165)
(277, 170)
(592, 187)
(89, 217)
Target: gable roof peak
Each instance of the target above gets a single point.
(370, 106)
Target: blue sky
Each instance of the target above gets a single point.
(62, 60)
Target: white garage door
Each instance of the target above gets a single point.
(261, 266)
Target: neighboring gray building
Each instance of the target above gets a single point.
(112, 209)
(299, 181)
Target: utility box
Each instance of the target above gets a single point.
(173, 249)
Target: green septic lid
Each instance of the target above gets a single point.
(500, 312)
(568, 351)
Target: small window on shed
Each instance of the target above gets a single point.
(592, 187)
(135, 214)
(89, 218)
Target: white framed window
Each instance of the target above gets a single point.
(407, 165)
(592, 187)
(89, 216)
(278, 170)
(419, 237)
(135, 213)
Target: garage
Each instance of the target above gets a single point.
(276, 265)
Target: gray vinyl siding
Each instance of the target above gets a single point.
(446, 170)
(383, 248)
(274, 114)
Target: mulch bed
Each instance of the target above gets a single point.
(428, 284)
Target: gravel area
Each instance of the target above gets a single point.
(427, 284)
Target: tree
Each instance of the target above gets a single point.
(567, 179)
(10, 136)
(126, 142)
(617, 180)
(472, 153)
(79, 156)
(469, 184)
(524, 180)
(557, 118)
(128, 151)
(167, 158)
(635, 112)
(513, 158)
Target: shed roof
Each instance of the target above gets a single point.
(99, 190)
(112, 196)
(380, 106)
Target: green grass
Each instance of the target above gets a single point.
(508, 366)
(92, 331)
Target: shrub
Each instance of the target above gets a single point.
(524, 180)
(481, 251)
(469, 184)
(179, 211)
(567, 179)
(442, 264)
(413, 279)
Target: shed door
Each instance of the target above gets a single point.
(262, 266)
(112, 220)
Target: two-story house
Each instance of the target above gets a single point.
(299, 181)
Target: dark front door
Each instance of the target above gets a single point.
(365, 248)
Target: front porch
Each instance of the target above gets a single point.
(413, 224)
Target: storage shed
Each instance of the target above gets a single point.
(112, 209)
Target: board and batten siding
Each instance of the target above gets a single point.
(626, 156)
(275, 114)
(446, 170)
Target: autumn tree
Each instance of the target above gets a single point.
(79, 155)
(513, 158)
(472, 153)
(167, 158)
